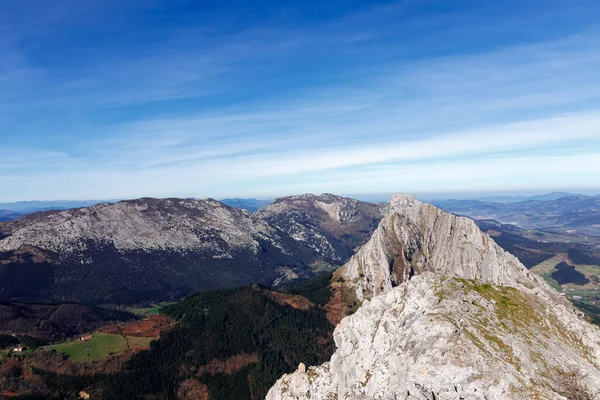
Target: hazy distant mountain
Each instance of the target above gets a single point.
(515, 199)
(251, 205)
(27, 207)
(9, 215)
(573, 214)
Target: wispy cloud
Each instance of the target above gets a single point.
(347, 104)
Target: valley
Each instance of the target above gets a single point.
(233, 344)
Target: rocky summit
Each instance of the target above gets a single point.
(328, 226)
(447, 314)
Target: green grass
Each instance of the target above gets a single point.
(98, 348)
(323, 267)
(546, 268)
(147, 311)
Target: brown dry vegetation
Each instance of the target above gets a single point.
(191, 389)
(16, 375)
(26, 253)
(148, 327)
(296, 301)
(229, 365)
(335, 309)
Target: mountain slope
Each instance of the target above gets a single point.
(161, 249)
(332, 227)
(55, 321)
(448, 314)
(446, 338)
(233, 343)
(137, 249)
(415, 237)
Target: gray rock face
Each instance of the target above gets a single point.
(447, 314)
(145, 224)
(415, 237)
(445, 338)
(330, 226)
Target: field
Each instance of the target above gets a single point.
(113, 339)
(99, 347)
(147, 311)
(549, 269)
(138, 343)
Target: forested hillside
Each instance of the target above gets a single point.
(229, 344)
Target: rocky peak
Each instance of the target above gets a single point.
(436, 337)
(447, 314)
(329, 225)
(339, 209)
(415, 237)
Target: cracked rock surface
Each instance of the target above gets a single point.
(447, 314)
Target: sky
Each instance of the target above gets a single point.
(105, 99)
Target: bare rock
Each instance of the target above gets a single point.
(448, 314)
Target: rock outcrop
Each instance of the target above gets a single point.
(447, 314)
(329, 226)
(415, 237)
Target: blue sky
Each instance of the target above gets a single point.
(119, 99)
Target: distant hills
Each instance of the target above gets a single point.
(539, 197)
(8, 215)
(571, 214)
(14, 210)
(251, 205)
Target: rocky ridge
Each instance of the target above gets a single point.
(415, 237)
(447, 314)
(160, 249)
(332, 227)
(145, 224)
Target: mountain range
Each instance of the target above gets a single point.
(160, 249)
(572, 214)
(425, 305)
(28, 207)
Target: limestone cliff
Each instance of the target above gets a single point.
(447, 314)
(415, 237)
